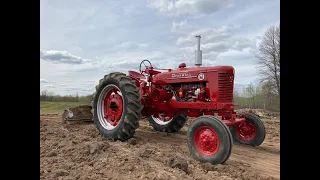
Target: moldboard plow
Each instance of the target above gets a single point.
(80, 113)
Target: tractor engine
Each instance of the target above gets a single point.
(190, 91)
(181, 92)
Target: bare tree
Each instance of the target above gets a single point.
(268, 57)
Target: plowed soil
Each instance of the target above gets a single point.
(77, 151)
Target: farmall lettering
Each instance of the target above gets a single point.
(182, 75)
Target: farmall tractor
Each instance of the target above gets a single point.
(168, 98)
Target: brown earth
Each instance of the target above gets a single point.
(77, 151)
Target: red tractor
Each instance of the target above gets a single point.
(166, 99)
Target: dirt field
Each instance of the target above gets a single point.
(77, 151)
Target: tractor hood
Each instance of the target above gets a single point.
(194, 69)
(184, 74)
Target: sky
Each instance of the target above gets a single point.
(82, 40)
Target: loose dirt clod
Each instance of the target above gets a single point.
(51, 154)
(132, 141)
(176, 162)
(61, 172)
(208, 166)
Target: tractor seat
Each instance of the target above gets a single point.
(137, 76)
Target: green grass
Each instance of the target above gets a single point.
(58, 107)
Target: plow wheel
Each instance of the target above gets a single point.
(251, 132)
(116, 107)
(209, 140)
(167, 124)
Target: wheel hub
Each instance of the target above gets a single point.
(113, 107)
(206, 141)
(246, 131)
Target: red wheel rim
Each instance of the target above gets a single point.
(206, 141)
(113, 107)
(162, 119)
(246, 131)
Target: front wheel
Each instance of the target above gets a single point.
(251, 132)
(209, 140)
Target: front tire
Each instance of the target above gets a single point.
(209, 140)
(116, 107)
(251, 132)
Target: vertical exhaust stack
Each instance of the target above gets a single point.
(198, 53)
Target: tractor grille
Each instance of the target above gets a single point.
(225, 81)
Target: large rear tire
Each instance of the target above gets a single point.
(251, 132)
(172, 125)
(209, 140)
(116, 107)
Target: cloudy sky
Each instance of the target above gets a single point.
(82, 40)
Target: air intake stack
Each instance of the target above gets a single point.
(198, 53)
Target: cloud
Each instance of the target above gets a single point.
(61, 57)
(232, 44)
(214, 41)
(180, 27)
(244, 69)
(43, 81)
(50, 86)
(242, 43)
(180, 7)
(208, 34)
(131, 45)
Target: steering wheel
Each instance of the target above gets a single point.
(142, 62)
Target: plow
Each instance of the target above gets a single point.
(77, 114)
(167, 98)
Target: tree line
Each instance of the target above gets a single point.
(50, 96)
(261, 96)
